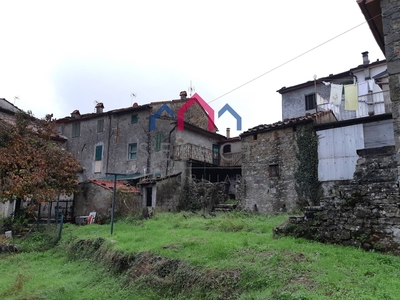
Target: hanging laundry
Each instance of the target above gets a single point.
(320, 100)
(371, 83)
(336, 94)
(350, 97)
(363, 88)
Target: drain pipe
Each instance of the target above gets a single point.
(169, 148)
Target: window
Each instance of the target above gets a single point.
(99, 153)
(134, 119)
(98, 156)
(273, 170)
(132, 151)
(158, 141)
(310, 101)
(76, 129)
(226, 149)
(100, 125)
(215, 154)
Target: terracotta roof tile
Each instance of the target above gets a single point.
(109, 185)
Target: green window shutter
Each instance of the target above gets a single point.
(158, 141)
(100, 125)
(99, 152)
(134, 119)
(132, 151)
(76, 129)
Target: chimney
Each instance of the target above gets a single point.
(183, 94)
(365, 58)
(135, 104)
(75, 114)
(99, 108)
(228, 133)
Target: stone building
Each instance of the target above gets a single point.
(364, 211)
(96, 196)
(149, 143)
(367, 127)
(270, 162)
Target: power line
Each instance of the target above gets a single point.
(294, 58)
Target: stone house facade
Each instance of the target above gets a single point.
(269, 164)
(145, 143)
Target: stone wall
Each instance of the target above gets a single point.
(363, 212)
(92, 198)
(168, 193)
(268, 167)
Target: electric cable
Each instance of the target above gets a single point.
(294, 58)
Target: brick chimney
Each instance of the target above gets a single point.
(183, 94)
(99, 108)
(365, 58)
(228, 133)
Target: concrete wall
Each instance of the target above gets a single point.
(268, 167)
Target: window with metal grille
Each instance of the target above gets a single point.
(310, 101)
(132, 151)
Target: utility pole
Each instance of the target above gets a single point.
(113, 201)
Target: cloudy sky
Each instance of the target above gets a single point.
(58, 56)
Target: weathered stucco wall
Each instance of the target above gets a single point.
(268, 167)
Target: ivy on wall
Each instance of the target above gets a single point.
(308, 187)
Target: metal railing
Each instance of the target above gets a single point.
(368, 105)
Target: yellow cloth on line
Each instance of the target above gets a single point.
(350, 97)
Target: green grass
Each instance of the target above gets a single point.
(235, 251)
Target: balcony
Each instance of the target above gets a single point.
(368, 105)
(231, 159)
(191, 151)
(201, 153)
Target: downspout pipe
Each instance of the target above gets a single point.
(169, 148)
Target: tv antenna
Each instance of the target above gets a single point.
(191, 89)
(133, 95)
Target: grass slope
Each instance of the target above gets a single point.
(230, 256)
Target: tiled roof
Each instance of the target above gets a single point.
(286, 123)
(109, 185)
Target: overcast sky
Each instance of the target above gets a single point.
(58, 56)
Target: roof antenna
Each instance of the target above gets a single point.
(133, 95)
(191, 89)
(16, 98)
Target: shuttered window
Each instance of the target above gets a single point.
(99, 153)
(158, 141)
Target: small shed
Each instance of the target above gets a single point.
(96, 196)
